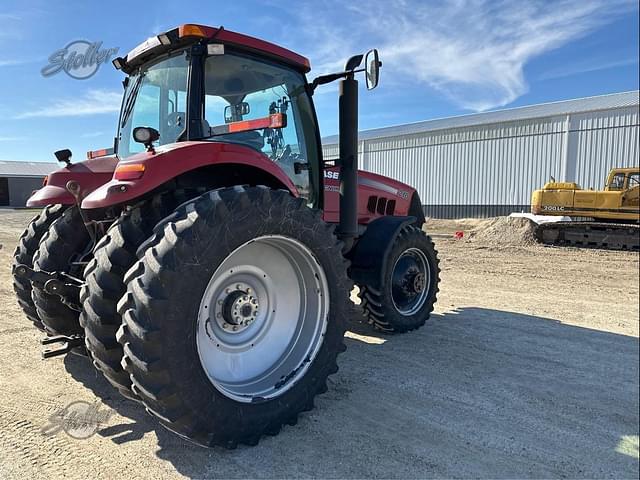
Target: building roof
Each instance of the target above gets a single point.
(564, 107)
(26, 169)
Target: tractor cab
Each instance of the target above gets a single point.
(191, 83)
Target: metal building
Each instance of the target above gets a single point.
(489, 163)
(19, 179)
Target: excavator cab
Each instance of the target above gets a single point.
(631, 195)
(626, 182)
(622, 179)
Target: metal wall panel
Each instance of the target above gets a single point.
(494, 167)
(604, 140)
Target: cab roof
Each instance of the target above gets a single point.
(626, 170)
(191, 33)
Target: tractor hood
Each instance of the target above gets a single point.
(88, 175)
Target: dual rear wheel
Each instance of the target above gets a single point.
(56, 240)
(234, 315)
(23, 255)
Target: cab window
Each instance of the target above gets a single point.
(634, 180)
(240, 88)
(617, 182)
(155, 97)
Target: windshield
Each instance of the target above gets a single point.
(155, 96)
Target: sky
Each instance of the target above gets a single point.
(440, 58)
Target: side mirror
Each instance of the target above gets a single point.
(372, 66)
(234, 113)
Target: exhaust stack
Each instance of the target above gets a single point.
(348, 126)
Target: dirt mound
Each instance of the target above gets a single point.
(504, 231)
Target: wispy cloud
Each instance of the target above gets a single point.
(12, 139)
(13, 62)
(10, 17)
(93, 102)
(472, 51)
(589, 66)
(10, 26)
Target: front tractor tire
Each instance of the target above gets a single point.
(23, 255)
(234, 315)
(62, 249)
(114, 254)
(405, 298)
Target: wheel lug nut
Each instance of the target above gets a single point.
(235, 328)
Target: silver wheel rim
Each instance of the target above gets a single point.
(411, 304)
(262, 318)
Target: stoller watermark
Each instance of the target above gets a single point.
(79, 420)
(80, 59)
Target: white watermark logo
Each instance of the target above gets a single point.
(80, 59)
(79, 420)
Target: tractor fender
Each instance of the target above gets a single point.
(88, 175)
(370, 255)
(169, 161)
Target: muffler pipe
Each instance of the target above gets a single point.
(348, 162)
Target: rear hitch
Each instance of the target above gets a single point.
(55, 283)
(68, 344)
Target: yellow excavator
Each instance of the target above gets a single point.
(608, 218)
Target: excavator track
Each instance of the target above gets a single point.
(612, 236)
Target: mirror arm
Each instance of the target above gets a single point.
(330, 77)
(324, 79)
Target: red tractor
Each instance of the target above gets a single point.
(205, 263)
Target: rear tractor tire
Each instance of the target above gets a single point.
(234, 315)
(63, 247)
(409, 285)
(23, 255)
(104, 285)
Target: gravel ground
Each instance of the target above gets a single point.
(528, 368)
